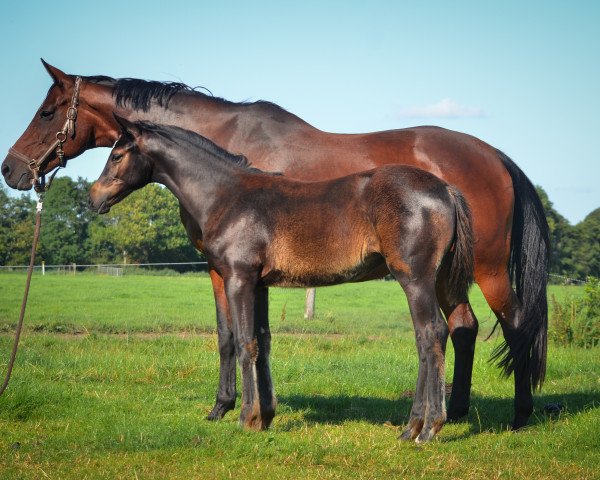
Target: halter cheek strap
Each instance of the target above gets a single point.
(68, 131)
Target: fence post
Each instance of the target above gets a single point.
(43, 267)
(309, 308)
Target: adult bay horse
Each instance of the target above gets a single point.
(511, 234)
(261, 230)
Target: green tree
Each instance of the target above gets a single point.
(586, 246)
(65, 221)
(561, 236)
(145, 227)
(16, 228)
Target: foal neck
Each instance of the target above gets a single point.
(198, 172)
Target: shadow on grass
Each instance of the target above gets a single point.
(487, 414)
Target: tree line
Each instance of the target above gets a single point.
(146, 229)
(143, 229)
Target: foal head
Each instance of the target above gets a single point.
(128, 169)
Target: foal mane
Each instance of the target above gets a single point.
(181, 137)
(139, 94)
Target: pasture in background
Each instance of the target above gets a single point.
(99, 349)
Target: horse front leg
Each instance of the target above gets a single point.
(226, 393)
(244, 298)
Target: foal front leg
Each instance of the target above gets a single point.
(244, 296)
(268, 402)
(226, 392)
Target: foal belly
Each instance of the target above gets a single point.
(323, 271)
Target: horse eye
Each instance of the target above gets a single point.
(47, 114)
(116, 158)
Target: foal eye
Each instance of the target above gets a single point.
(116, 157)
(47, 114)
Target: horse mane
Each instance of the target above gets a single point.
(179, 135)
(139, 94)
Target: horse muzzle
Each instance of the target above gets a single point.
(101, 205)
(16, 173)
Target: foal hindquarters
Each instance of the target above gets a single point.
(437, 240)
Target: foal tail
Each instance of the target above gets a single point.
(461, 267)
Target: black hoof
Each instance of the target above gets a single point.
(456, 415)
(519, 422)
(219, 411)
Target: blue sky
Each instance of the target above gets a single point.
(522, 76)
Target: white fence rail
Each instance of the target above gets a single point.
(113, 269)
(116, 269)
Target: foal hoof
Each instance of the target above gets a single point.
(414, 428)
(408, 435)
(219, 411)
(425, 435)
(252, 418)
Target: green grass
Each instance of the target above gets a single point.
(133, 405)
(91, 303)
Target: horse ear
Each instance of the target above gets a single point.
(59, 77)
(128, 128)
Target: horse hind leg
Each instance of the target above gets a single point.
(463, 327)
(503, 301)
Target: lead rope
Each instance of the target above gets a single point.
(36, 236)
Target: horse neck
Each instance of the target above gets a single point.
(198, 178)
(227, 124)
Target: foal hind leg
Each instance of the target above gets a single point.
(226, 392)
(428, 413)
(463, 327)
(502, 299)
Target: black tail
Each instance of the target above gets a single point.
(528, 266)
(461, 268)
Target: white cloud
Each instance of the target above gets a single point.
(446, 108)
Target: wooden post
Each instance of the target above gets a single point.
(43, 267)
(309, 308)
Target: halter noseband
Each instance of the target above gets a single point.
(68, 130)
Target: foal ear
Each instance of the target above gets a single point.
(127, 128)
(59, 77)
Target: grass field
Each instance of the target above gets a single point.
(115, 376)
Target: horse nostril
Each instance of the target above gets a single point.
(5, 170)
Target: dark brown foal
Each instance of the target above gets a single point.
(260, 230)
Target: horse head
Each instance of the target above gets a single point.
(59, 128)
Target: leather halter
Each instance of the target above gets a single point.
(68, 130)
